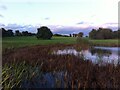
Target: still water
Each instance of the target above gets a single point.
(95, 54)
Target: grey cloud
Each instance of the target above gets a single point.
(83, 22)
(70, 29)
(3, 7)
(93, 16)
(112, 23)
(2, 25)
(1, 16)
(47, 18)
(73, 29)
(14, 27)
(54, 28)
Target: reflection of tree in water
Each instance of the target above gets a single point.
(100, 53)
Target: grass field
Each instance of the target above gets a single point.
(10, 42)
(108, 42)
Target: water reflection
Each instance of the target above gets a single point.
(95, 54)
(100, 52)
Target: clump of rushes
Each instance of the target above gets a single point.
(15, 73)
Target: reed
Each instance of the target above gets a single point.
(25, 64)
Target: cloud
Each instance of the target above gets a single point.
(47, 18)
(80, 22)
(69, 29)
(3, 7)
(1, 16)
(2, 25)
(14, 27)
(84, 23)
(111, 23)
(55, 28)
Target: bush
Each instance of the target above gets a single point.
(44, 33)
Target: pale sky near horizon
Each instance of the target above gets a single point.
(79, 13)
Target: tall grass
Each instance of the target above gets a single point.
(76, 72)
(15, 73)
(83, 42)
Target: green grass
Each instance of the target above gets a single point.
(15, 42)
(10, 42)
(108, 42)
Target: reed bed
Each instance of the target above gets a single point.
(35, 61)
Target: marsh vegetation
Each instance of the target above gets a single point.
(37, 67)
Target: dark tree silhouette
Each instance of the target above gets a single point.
(74, 35)
(17, 33)
(10, 33)
(4, 32)
(7, 33)
(57, 35)
(25, 33)
(44, 33)
(104, 33)
(92, 34)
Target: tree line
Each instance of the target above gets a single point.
(9, 33)
(104, 33)
(45, 33)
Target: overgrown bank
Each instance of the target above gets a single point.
(77, 72)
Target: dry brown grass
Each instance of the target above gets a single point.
(79, 73)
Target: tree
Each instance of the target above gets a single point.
(118, 34)
(115, 34)
(57, 35)
(44, 33)
(17, 33)
(10, 33)
(92, 34)
(102, 33)
(80, 34)
(7, 33)
(25, 33)
(4, 32)
(74, 35)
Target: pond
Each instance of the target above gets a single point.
(95, 54)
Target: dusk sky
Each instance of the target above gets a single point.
(61, 16)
